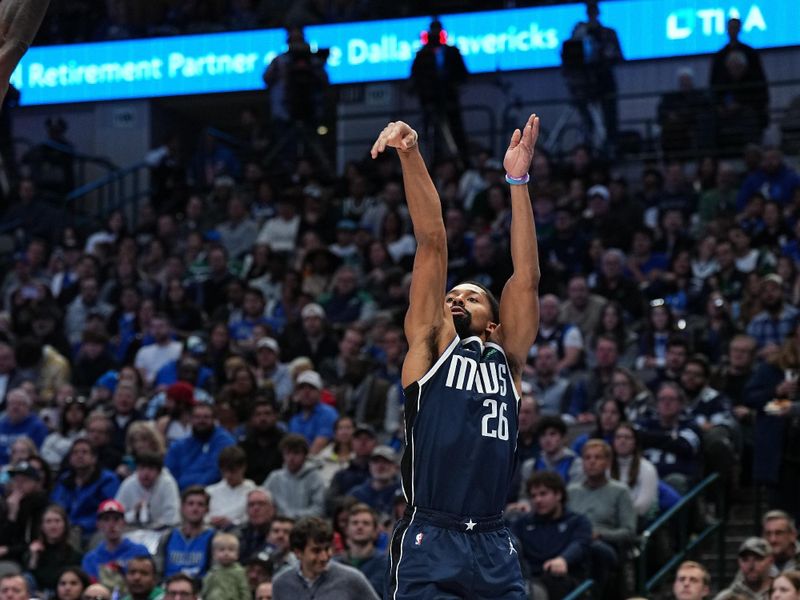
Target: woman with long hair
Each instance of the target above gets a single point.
(183, 313)
(57, 444)
(629, 467)
(631, 392)
(47, 555)
(142, 437)
(608, 414)
(240, 391)
(659, 326)
(612, 323)
(71, 584)
(336, 455)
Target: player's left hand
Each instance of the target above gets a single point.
(519, 155)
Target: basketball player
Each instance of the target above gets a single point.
(461, 378)
(19, 22)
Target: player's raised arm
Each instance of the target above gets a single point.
(519, 302)
(429, 328)
(19, 22)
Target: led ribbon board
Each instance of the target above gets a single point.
(505, 40)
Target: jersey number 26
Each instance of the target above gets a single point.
(495, 423)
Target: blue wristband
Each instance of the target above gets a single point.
(518, 181)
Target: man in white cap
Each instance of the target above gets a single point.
(313, 339)
(269, 368)
(315, 419)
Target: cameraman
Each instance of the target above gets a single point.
(588, 58)
(297, 82)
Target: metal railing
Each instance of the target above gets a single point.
(685, 544)
(82, 161)
(648, 127)
(486, 133)
(117, 190)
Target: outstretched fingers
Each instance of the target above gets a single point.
(531, 131)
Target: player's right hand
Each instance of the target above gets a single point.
(395, 135)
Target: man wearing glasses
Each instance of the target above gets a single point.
(181, 587)
(779, 529)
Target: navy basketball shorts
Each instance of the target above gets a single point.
(436, 556)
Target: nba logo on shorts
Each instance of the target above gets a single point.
(418, 541)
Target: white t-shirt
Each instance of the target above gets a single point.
(152, 357)
(229, 502)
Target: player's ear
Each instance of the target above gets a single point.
(490, 327)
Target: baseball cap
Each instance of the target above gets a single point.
(182, 392)
(108, 380)
(774, 278)
(311, 378)
(598, 190)
(27, 469)
(755, 545)
(268, 342)
(312, 309)
(110, 506)
(384, 452)
(364, 428)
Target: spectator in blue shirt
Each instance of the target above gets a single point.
(554, 542)
(19, 421)
(671, 441)
(193, 460)
(82, 488)
(315, 420)
(114, 552)
(253, 306)
(778, 180)
(379, 490)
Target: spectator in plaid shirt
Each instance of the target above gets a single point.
(771, 326)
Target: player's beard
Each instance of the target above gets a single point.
(463, 323)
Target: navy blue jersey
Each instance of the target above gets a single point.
(461, 431)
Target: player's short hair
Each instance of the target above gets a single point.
(549, 480)
(494, 305)
(310, 529)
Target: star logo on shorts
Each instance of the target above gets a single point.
(470, 524)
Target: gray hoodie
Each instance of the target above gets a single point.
(300, 494)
